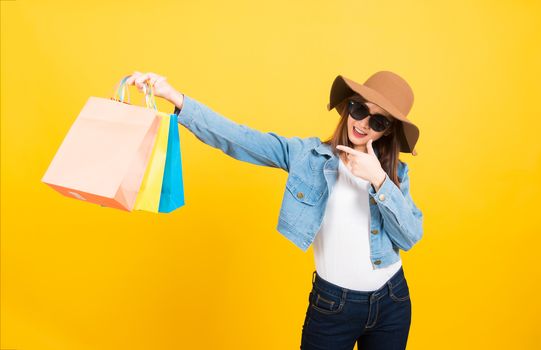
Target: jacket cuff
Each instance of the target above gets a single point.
(188, 112)
(384, 191)
(388, 195)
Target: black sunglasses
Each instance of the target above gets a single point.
(358, 111)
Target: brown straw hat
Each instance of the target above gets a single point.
(387, 90)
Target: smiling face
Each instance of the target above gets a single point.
(359, 141)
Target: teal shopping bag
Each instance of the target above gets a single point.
(172, 195)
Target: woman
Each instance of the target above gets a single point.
(348, 195)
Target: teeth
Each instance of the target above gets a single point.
(359, 131)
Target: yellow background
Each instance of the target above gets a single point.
(216, 273)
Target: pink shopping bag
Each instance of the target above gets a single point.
(103, 157)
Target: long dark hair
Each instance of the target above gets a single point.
(388, 146)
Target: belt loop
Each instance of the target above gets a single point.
(313, 276)
(389, 285)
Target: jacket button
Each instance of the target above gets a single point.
(374, 232)
(381, 197)
(377, 262)
(300, 195)
(372, 200)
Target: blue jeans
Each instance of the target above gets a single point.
(338, 317)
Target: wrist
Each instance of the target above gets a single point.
(379, 180)
(177, 99)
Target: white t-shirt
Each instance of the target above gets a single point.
(342, 247)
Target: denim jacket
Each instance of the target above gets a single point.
(395, 222)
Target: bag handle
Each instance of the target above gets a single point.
(122, 88)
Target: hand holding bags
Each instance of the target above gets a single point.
(104, 157)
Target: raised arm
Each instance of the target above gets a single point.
(237, 140)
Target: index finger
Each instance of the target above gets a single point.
(347, 149)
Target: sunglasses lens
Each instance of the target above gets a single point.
(379, 123)
(357, 110)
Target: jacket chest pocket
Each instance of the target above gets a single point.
(303, 191)
(316, 162)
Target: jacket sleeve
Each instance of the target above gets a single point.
(236, 140)
(403, 219)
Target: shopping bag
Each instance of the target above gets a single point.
(148, 198)
(104, 156)
(172, 196)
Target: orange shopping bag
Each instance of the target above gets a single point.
(103, 157)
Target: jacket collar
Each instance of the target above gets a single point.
(323, 148)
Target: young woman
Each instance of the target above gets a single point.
(348, 195)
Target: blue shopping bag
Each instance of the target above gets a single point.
(172, 196)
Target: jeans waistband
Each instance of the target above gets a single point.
(319, 283)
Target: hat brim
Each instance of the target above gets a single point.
(343, 88)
